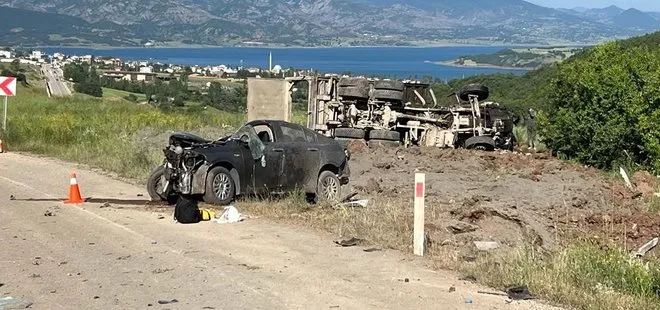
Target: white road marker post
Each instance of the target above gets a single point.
(418, 233)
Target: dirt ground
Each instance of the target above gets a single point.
(509, 197)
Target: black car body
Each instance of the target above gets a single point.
(262, 157)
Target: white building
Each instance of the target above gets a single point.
(147, 69)
(5, 54)
(36, 54)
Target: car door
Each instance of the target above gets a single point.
(267, 171)
(295, 169)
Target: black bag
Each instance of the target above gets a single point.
(186, 211)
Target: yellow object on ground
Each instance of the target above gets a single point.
(207, 214)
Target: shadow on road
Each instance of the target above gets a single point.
(100, 200)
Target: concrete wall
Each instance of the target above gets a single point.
(269, 99)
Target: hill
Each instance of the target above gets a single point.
(632, 19)
(330, 22)
(23, 26)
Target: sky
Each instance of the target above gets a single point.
(644, 5)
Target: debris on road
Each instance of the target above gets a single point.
(369, 250)
(355, 203)
(468, 300)
(469, 278)
(625, 177)
(165, 302)
(647, 247)
(49, 213)
(519, 293)
(492, 293)
(452, 289)
(106, 205)
(230, 215)
(486, 245)
(349, 242)
(458, 227)
(12, 197)
(159, 270)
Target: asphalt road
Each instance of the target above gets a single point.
(125, 257)
(54, 78)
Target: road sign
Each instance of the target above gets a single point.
(7, 86)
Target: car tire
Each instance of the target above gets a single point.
(478, 90)
(328, 187)
(391, 85)
(153, 185)
(220, 187)
(482, 143)
(389, 135)
(388, 94)
(353, 133)
(353, 92)
(383, 144)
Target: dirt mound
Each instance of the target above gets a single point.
(495, 196)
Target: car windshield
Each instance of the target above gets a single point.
(254, 143)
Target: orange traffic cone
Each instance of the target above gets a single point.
(74, 191)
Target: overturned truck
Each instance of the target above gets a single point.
(393, 112)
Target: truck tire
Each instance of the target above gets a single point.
(353, 91)
(482, 143)
(353, 82)
(353, 133)
(383, 144)
(478, 90)
(388, 135)
(220, 187)
(391, 85)
(388, 94)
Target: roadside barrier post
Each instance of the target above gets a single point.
(418, 233)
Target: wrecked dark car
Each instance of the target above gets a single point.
(262, 157)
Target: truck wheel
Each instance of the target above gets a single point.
(388, 94)
(353, 133)
(353, 82)
(329, 187)
(220, 188)
(154, 187)
(383, 144)
(388, 135)
(478, 90)
(482, 143)
(353, 91)
(392, 85)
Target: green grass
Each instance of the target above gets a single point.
(115, 93)
(122, 137)
(582, 275)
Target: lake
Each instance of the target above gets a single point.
(395, 62)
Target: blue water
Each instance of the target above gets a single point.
(395, 62)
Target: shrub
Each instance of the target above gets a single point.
(603, 108)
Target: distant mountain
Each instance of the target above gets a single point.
(23, 26)
(632, 19)
(318, 22)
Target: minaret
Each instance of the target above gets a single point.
(270, 62)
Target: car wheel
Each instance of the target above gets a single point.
(220, 187)
(353, 133)
(329, 187)
(155, 187)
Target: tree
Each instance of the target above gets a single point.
(604, 108)
(15, 65)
